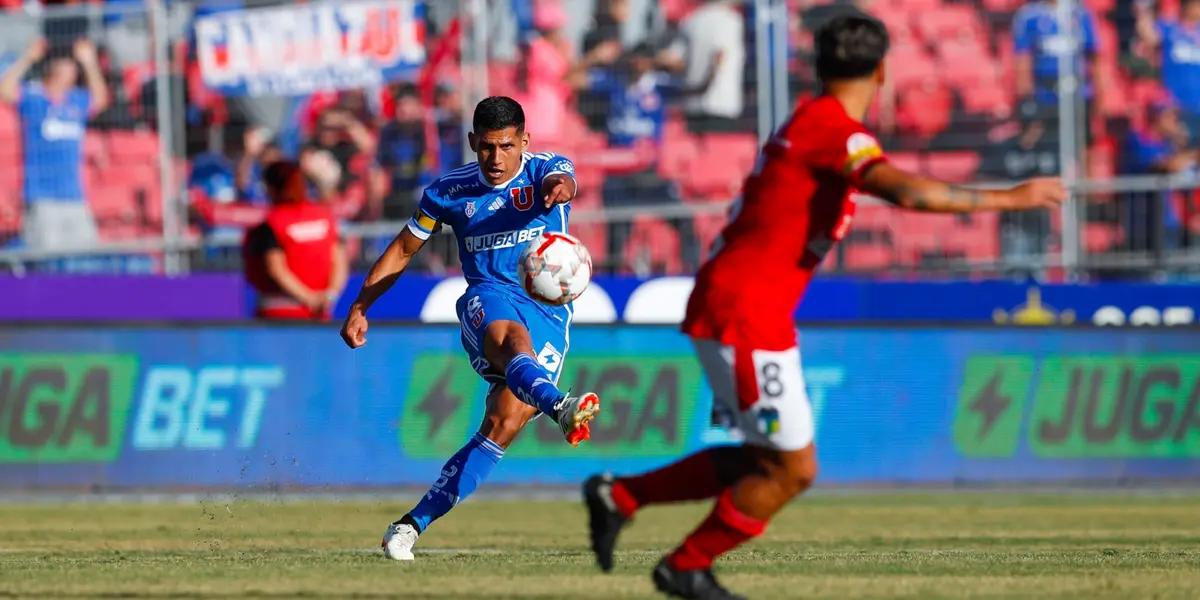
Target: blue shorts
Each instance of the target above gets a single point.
(548, 328)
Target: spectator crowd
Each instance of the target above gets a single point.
(656, 101)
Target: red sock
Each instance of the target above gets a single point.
(725, 529)
(693, 478)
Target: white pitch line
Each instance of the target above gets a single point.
(419, 552)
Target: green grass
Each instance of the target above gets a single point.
(888, 546)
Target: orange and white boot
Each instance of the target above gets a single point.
(575, 415)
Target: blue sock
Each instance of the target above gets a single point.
(528, 381)
(461, 475)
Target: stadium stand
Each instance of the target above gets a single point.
(950, 92)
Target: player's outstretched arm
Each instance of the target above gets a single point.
(382, 276)
(930, 195)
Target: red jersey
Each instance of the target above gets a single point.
(794, 207)
(306, 233)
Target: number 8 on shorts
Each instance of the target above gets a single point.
(764, 389)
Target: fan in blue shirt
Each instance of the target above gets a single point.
(636, 94)
(1178, 42)
(1038, 44)
(495, 207)
(1161, 148)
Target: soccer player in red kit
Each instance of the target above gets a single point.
(795, 206)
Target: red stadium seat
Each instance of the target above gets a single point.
(868, 257)
(907, 161)
(966, 64)
(988, 98)
(595, 238)
(95, 148)
(1101, 237)
(679, 149)
(133, 147)
(977, 234)
(112, 202)
(923, 110)
(918, 234)
(10, 176)
(739, 149)
(655, 244)
(708, 228)
(10, 124)
(950, 21)
(910, 65)
(953, 166)
(919, 6)
(714, 176)
(11, 212)
(1002, 6)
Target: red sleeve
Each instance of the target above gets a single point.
(847, 151)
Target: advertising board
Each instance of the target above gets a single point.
(291, 406)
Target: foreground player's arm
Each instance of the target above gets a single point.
(387, 269)
(930, 195)
(383, 275)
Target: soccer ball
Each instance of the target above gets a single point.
(555, 268)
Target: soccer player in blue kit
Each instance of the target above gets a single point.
(495, 207)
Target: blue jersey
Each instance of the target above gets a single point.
(1144, 154)
(493, 223)
(1035, 32)
(52, 133)
(637, 109)
(1181, 63)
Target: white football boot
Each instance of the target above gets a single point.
(398, 541)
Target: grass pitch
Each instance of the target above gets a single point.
(973, 545)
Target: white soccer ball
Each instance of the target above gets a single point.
(555, 268)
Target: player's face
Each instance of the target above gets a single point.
(62, 72)
(499, 152)
(1191, 10)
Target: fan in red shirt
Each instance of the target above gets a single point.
(795, 207)
(294, 259)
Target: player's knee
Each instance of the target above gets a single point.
(794, 470)
(505, 340)
(803, 473)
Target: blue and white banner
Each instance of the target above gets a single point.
(300, 49)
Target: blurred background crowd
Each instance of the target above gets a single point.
(659, 103)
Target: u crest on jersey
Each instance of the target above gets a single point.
(522, 197)
(470, 209)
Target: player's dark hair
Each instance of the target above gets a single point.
(498, 112)
(850, 47)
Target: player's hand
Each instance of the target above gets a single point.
(85, 52)
(561, 191)
(255, 141)
(606, 53)
(354, 330)
(37, 50)
(1040, 192)
(314, 301)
